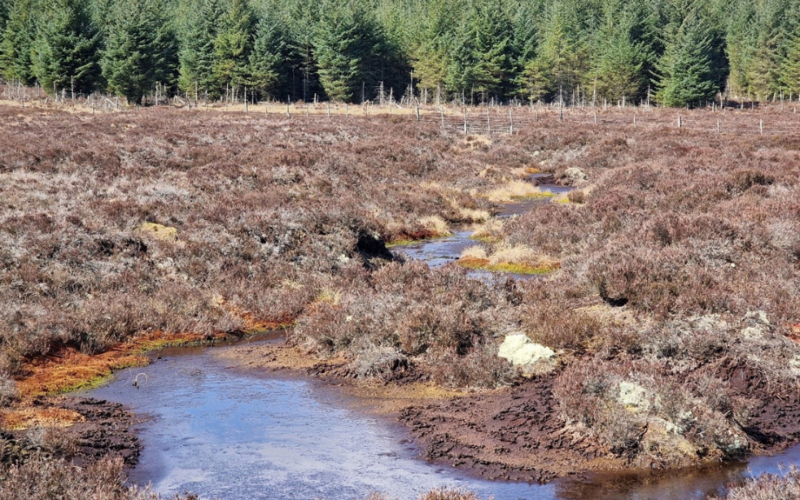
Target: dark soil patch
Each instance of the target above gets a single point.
(515, 434)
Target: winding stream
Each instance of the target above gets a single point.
(237, 434)
(440, 251)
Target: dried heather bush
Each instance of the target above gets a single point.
(767, 487)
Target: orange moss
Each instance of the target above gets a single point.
(68, 369)
(508, 267)
(27, 417)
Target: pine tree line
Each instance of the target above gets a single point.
(676, 52)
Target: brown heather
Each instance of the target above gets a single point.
(679, 277)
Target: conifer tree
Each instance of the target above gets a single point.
(525, 40)
(16, 44)
(140, 48)
(481, 52)
(232, 44)
(66, 50)
(430, 48)
(790, 68)
(685, 68)
(619, 66)
(492, 51)
(269, 59)
(197, 36)
(346, 43)
(563, 49)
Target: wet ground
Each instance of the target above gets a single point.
(236, 434)
(440, 251)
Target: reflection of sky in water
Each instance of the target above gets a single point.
(240, 435)
(234, 435)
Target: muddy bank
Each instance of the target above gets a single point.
(515, 434)
(97, 428)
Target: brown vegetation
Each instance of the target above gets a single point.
(672, 307)
(768, 487)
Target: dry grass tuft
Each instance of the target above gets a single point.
(515, 190)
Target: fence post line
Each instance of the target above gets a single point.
(288, 114)
(634, 119)
(465, 120)
(488, 121)
(441, 112)
(510, 122)
(328, 105)
(680, 121)
(718, 126)
(417, 111)
(761, 126)
(306, 110)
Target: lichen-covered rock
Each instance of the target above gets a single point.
(633, 396)
(575, 176)
(523, 352)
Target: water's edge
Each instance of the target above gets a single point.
(232, 433)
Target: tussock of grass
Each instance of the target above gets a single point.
(489, 232)
(516, 190)
(517, 260)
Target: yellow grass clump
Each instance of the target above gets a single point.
(489, 231)
(518, 259)
(161, 232)
(515, 190)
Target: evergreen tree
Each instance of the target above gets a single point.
(16, 44)
(140, 48)
(563, 49)
(346, 45)
(304, 78)
(481, 52)
(66, 50)
(526, 19)
(430, 47)
(492, 50)
(619, 66)
(232, 44)
(790, 68)
(685, 68)
(197, 36)
(269, 60)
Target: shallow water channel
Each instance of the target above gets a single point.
(440, 251)
(237, 434)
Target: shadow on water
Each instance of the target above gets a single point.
(242, 434)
